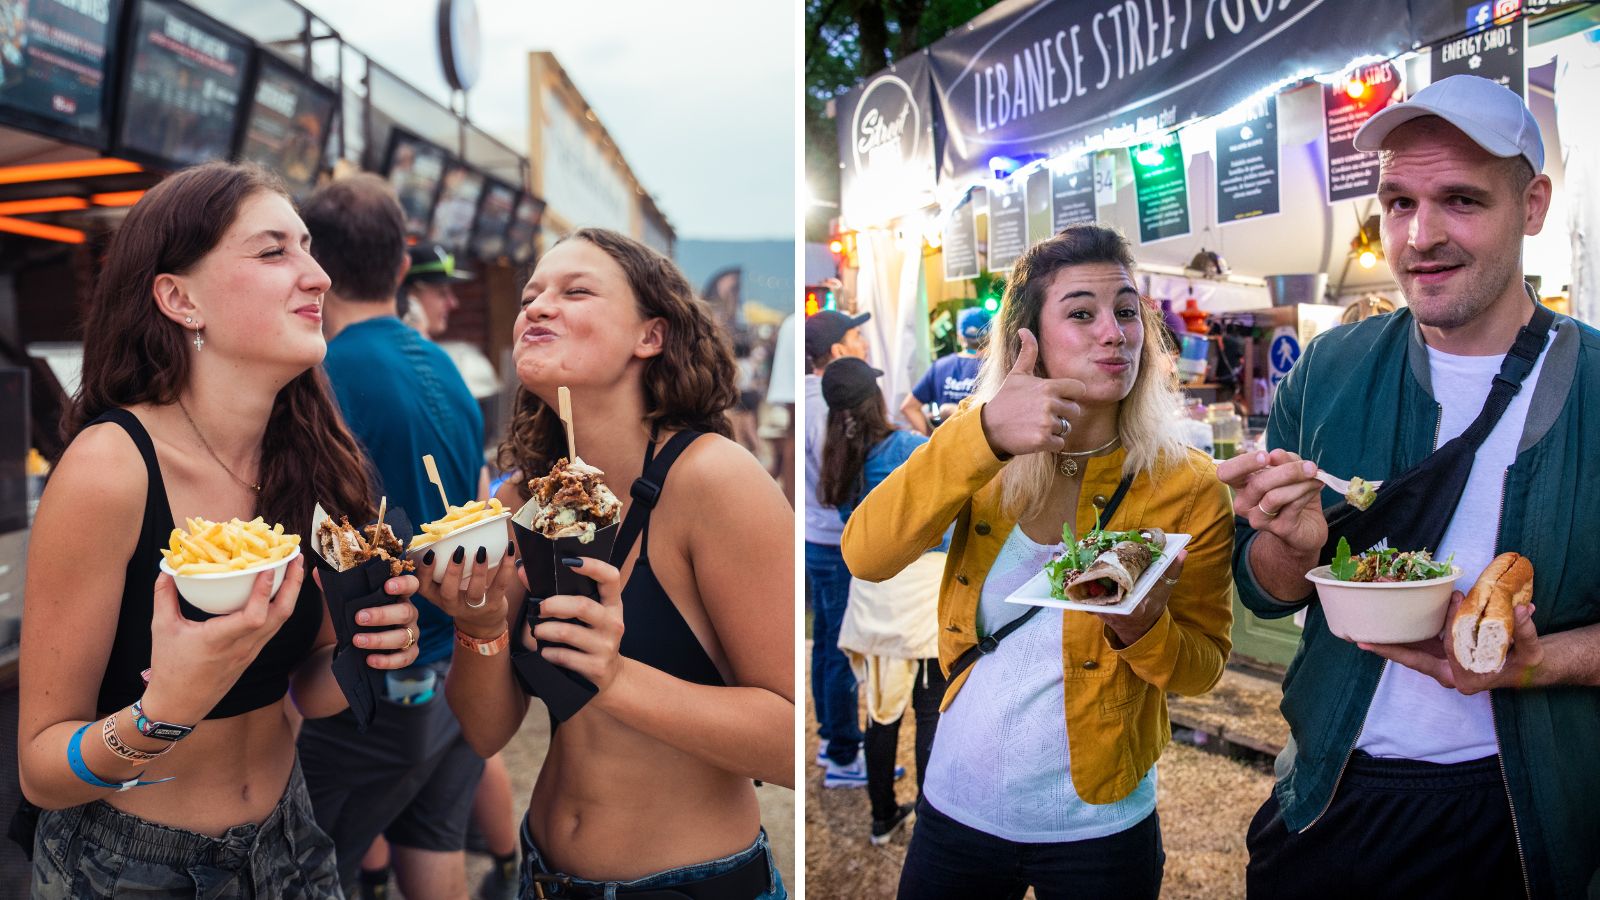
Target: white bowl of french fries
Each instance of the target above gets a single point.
(470, 526)
(215, 564)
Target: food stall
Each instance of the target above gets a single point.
(1218, 138)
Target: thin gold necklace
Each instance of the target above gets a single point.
(206, 444)
(1066, 460)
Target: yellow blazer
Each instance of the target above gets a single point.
(1115, 699)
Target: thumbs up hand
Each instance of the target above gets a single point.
(1031, 414)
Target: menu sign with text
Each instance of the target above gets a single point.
(1496, 53)
(288, 125)
(1008, 224)
(524, 228)
(1161, 185)
(1247, 164)
(1072, 190)
(1347, 104)
(1036, 193)
(961, 240)
(415, 168)
(54, 56)
(457, 207)
(185, 83)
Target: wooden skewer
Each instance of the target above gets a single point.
(383, 505)
(566, 419)
(433, 476)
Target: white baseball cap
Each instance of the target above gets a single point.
(1491, 114)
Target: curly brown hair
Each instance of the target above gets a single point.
(689, 386)
(133, 354)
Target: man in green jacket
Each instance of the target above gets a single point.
(1406, 775)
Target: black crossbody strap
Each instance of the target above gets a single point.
(988, 644)
(1514, 370)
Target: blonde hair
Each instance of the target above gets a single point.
(1147, 419)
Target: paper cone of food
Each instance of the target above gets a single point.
(353, 564)
(563, 691)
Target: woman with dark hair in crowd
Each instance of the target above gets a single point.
(691, 644)
(158, 740)
(890, 629)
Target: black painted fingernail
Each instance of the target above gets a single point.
(571, 562)
(511, 548)
(460, 554)
(483, 555)
(427, 558)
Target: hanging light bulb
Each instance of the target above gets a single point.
(1356, 88)
(1368, 259)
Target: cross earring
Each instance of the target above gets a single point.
(199, 340)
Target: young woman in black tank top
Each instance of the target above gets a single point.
(692, 642)
(201, 396)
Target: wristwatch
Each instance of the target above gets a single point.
(161, 731)
(483, 647)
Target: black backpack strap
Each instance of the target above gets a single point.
(988, 644)
(646, 491)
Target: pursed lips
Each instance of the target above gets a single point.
(538, 334)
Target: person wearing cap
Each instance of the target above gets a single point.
(1043, 769)
(1406, 774)
(427, 287)
(889, 631)
(952, 377)
(411, 776)
(830, 335)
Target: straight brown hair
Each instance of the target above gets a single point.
(133, 354)
(689, 386)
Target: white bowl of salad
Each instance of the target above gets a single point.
(1385, 596)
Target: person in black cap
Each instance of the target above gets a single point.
(889, 630)
(830, 335)
(427, 288)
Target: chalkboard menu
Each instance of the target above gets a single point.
(182, 88)
(414, 169)
(457, 208)
(524, 228)
(494, 218)
(287, 130)
(54, 61)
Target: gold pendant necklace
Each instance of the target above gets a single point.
(204, 443)
(1067, 461)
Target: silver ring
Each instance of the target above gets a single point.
(1066, 427)
(1270, 515)
(1169, 581)
(479, 604)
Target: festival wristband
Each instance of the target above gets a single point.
(81, 768)
(483, 647)
(161, 731)
(132, 755)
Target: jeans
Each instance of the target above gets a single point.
(883, 741)
(833, 685)
(949, 861)
(533, 864)
(96, 850)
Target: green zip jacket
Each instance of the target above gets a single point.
(1359, 403)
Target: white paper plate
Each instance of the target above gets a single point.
(1037, 591)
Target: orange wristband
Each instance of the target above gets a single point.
(482, 647)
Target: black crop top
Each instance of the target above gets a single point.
(267, 678)
(654, 632)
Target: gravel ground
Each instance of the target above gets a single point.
(526, 751)
(1206, 802)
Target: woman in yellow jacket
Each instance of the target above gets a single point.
(1043, 769)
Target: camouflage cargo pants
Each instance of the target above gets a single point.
(95, 850)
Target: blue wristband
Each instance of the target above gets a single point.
(81, 768)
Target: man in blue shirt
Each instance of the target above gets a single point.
(411, 777)
(951, 378)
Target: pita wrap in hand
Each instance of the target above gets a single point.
(1110, 578)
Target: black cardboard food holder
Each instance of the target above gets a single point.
(547, 577)
(347, 593)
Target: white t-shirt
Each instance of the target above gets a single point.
(780, 387)
(1000, 760)
(823, 525)
(1413, 716)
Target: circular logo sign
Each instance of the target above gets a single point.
(887, 127)
(460, 42)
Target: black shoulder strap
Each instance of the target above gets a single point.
(988, 644)
(1518, 364)
(155, 504)
(646, 491)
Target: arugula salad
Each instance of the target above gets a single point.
(1387, 565)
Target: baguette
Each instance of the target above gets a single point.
(1480, 631)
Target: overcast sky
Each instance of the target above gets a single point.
(700, 95)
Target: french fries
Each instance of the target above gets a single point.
(213, 548)
(457, 518)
